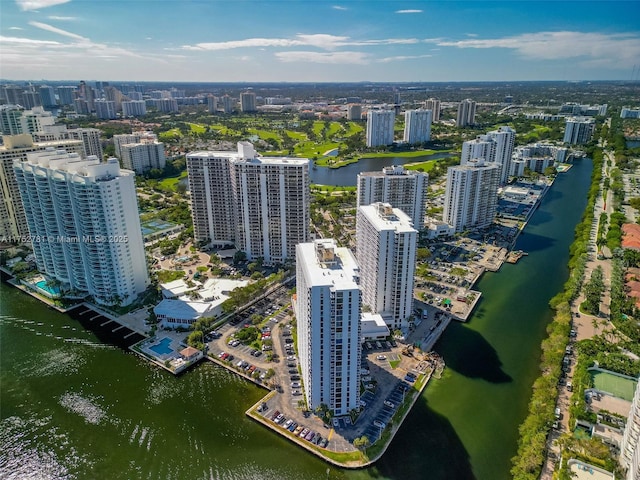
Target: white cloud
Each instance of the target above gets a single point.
(62, 19)
(409, 11)
(26, 41)
(350, 58)
(15, 28)
(400, 58)
(471, 35)
(339, 7)
(319, 40)
(36, 4)
(610, 49)
(59, 31)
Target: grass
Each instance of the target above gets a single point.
(170, 134)
(197, 128)
(394, 363)
(353, 128)
(264, 134)
(169, 184)
(311, 149)
(298, 136)
(422, 166)
(166, 276)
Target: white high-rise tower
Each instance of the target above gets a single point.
(417, 126)
(471, 195)
(84, 224)
(403, 189)
(328, 319)
(380, 127)
(386, 252)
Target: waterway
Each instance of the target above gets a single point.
(75, 408)
(348, 174)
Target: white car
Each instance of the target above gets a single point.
(381, 357)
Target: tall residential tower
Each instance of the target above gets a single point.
(386, 252)
(328, 318)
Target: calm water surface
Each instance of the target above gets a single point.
(75, 408)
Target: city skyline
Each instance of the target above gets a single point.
(356, 41)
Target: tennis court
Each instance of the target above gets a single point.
(618, 385)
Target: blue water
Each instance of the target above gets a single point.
(42, 285)
(163, 347)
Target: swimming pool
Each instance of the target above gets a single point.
(163, 347)
(42, 285)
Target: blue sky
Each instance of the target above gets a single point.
(323, 41)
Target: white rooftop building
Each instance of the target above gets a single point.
(386, 252)
(328, 318)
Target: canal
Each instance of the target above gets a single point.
(75, 408)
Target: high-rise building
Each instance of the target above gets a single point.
(13, 224)
(403, 189)
(433, 104)
(328, 318)
(212, 104)
(134, 95)
(471, 195)
(259, 203)
(630, 447)
(81, 107)
(380, 127)
(31, 99)
(84, 224)
(466, 113)
(482, 147)
(48, 96)
(114, 95)
(212, 209)
(626, 112)
(494, 147)
(386, 253)
(417, 126)
(142, 157)
(248, 102)
(10, 119)
(65, 95)
(166, 105)
(134, 108)
(90, 138)
(354, 112)
(137, 137)
(25, 121)
(227, 104)
(504, 139)
(13, 94)
(536, 157)
(86, 93)
(105, 109)
(272, 202)
(578, 130)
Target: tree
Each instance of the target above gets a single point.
(362, 442)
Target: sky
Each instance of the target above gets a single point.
(319, 40)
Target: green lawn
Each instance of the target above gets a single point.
(197, 128)
(170, 134)
(298, 136)
(264, 134)
(354, 128)
(311, 149)
(170, 183)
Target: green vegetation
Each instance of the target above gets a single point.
(166, 276)
(593, 291)
(527, 464)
